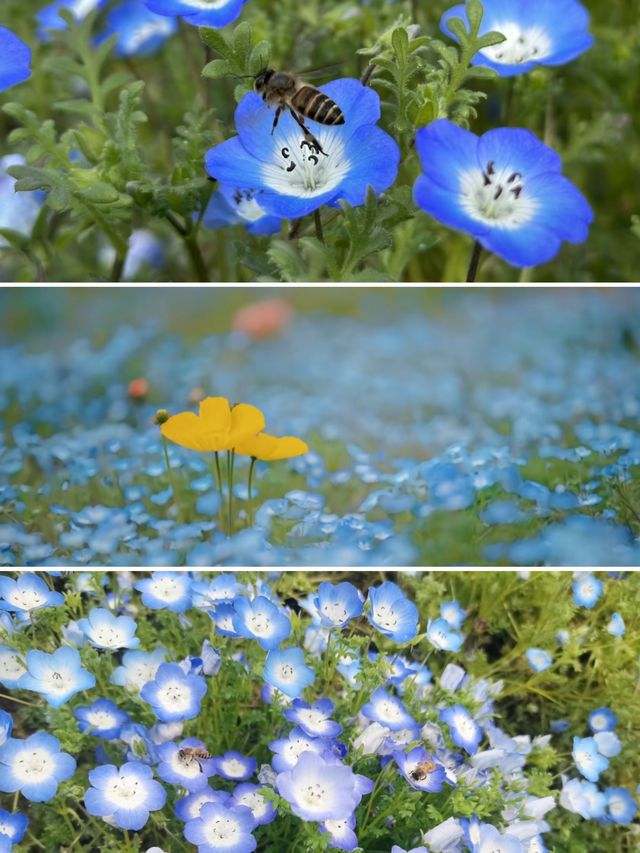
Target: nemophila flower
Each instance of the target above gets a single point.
(343, 836)
(235, 766)
(286, 670)
(318, 790)
(464, 730)
(582, 798)
(219, 426)
(49, 17)
(588, 759)
(15, 59)
(539, 660)
(505, 188)
(180, 768)
(125, 795)
(12, 829)
(174, 695)
(387, 710)
(102, 718)
(396, 849)
(200, 13)
(602, 720)
(616, 626)
(261, 620)
(338, 603)
(391, 612)
(34, 766)
(11, 667)
(291, 175)
(220, 828)
(166, 591)
(29, 592)
(608, 744)
(441, 635)
(421, 770)
(587, 589)
(551, 32)
(58, 676)
(234, 206)
(314, 720)
(621, 805)
(269, 448)
(6, 726)
(188, 808)
(249, 795)
(491, 840)
(453, 612)
(106, 631)
(223, 617)
(288, 750)
(140, 32)
(137, 669)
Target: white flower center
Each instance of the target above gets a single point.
(389, 711)
(26, 599)
(598, 721)
(10, 666)
(616, 807)
(335, 613)
(141, 673)
(223, 831)
(80, 8)
(248, 209)
(233, 767)
(311, 717)
(255, 802)
(464, 725)
(58, 680)
(313, 794)
(32, 765)
(123, 790)
(260, 624)
(302, 171)
(386, 616)
(294, 749)
(166, 589)
(496, 196)
(521, 45)
(106, 635)
(224, 622)
(287, 672)
(161, 27)
(176, 696)
(101, 719)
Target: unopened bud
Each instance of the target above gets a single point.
(162, 416)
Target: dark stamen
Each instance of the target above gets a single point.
(490, 168)
(516, 191)
(499, 192)
(487, 179)
(514, 177)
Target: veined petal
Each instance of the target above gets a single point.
(269, 448)
(215, 413)
(246, 422)
(374, 157)
(185, 429)
(445, 149)
(517, 150)
(524, 247)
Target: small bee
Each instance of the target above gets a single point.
(189, 754)
(287, 92)
(422, 770)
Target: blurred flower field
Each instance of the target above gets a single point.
(436, 713)
(480, 141)
(445, 428)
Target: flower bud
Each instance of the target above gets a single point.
(162, 416)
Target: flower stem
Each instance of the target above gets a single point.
(231, 456)
(14, 806)
(252, 465)
(474, 262)
(172, 481)
(318, 221)
(218, 476)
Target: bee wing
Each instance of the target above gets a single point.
(320, 72)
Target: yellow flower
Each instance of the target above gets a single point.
(217, 427)
(268, 448)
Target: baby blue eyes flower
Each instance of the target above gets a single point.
(200, 13)
(317, 790)
(12, 829)
(234, 206)
(29, 592)
(465, 732)
(249, 795)
(286, 670)
(179, 769)
(396, 849)
(261, 620)
(539, 660)
(608, 744)
(234, 766)
(140, 32)
(391, 612)
(428, 778)
(291, 177)
(174, 695)
(6, 726)
(220, 827)
(602, 720)
(338, 603)
(103, 719)
(453, 612)
(15, 59)
(34, 766)
(137, 669)
(547, 32)
(387, 710)
(441, 635)
(314, 720)
(342, 833)
(49, 17)
(616, 626)
(11, 667)
(166, 591)
(106, 631)
(589, 761)
(124, 795)
(57, 676)
(620, 804)
(587, 589)
(505, 188)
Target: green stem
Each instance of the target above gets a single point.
(474, 262)
(19, 701)
(318, 221)
(172, 481)
(252, 465)
(199, 265)
(231, 456)
(218, 476)
(14, 806)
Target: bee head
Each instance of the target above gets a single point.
(262, 78)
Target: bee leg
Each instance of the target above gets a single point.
(309, 137)
(276, 119)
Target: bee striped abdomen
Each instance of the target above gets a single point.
(317, 106)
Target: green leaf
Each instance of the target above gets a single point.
(214, 39)
(457, 27)
(242, 42)
(400, 44)
(488, 39)
(475, 14)
(217, 68)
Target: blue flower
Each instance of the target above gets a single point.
(234, 206)
(137, 669)
(392, 613)
(621, 806)
(166, 591)
(11, 667)
(338, 603)
(431, 780)
(341, 832)
(294, 178)
(207, 14)
(174, 695)
(6, 726)
(465, 732)
(29, 592)
(602, 720)
(387, 710)
(58, 676)
(140, 33)
(179, 768)
(49, 17)
(286, 670)
(453, 612)
(616, 626)
(249, 795)
(188, 808)
(441, 635)
(587, 589)
(549, 32)
(222, 829)
(34, 766)
(288, 750)
(124, 795)
(505, 188)
(234, 766)
(487, 838)
(588, 759)
(102, 718)
(582, 798)
(396, 849)
(15, 59)
(261, 620)
(12, 829)
(608, 744)
(539, 660)
(334, 786)
(106, 631)
(314, 720)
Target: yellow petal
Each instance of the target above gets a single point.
(184, 429)
(269, 448)
(215, 418)
(246, 422)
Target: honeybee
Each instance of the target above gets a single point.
(422, 770)
(285, 91)
(189, 754)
